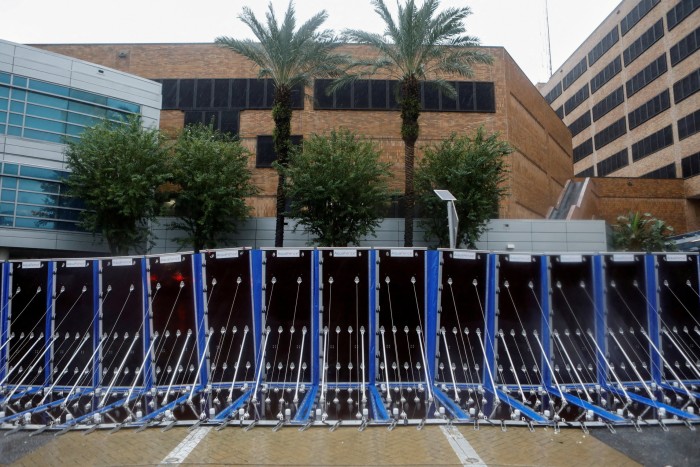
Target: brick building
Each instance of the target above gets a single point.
(629, 96)
(201, 81)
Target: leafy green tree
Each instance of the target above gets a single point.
(291, 58)
(473, 169)
(635, 231)
(420, 45)
(338, 187)
(115, 170)
(211, 180)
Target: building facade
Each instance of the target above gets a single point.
(46, 99)
(202, 82)
(629, 95)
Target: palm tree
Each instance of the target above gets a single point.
(291, 58)
(420, 45)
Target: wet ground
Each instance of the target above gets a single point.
(405, 445)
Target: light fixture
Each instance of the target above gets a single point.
(452, 218)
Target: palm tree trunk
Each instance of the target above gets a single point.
(281, 135)
(410, 111)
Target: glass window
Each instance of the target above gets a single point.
(16, 106)
(322, 100)
(204, 91)
(361, 94)
(8, 195)
(485, 99)
(467, 96)
(19, 81)
(239, 93)
(256, 93)
(7, 209)
(46, 125)
(87, 109)
(3, 117)
(46, 112)
(44, 136)
(16, 119)
(115, 116)
(343, 97)
(81, 119)
(14, 131)
(19, 94)
(4, 92)
(431, 97)
(74, 130)
(4, 78)
(123, 105)
(34, 223)
(378, 94)
(48, 87)
(36, 185)
(3, 104)
(9, 182)
(37, 198)
(88, 96)
(2, 128)
(39, 172)
(220, 92)
(49, 101)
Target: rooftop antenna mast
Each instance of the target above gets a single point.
(549, 40)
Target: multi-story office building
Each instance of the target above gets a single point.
(45, 99)
(205, 81)
(629, 94)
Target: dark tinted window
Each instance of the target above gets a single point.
(186, 100)
(169, 94)
(265, 153)
(584, 149)
(239, 93)
(467, 97)
(256, 93)
(560, 112)
(343, 98)
(603, 46)
(608, 103)
(606, 74)
(485, 99)
(637, 13)
(687, 86)
(610, 134)
(649, 109)
(580, 124)
(221, 88)
(652, 143)
(361, 94)
(613, 163)
(585, 173)
(204, 92)
(667, 171)
(576, 100)
(690, 165)
(689, 125)
(322, 100)
(431, 97)
(229, 122)
(652, 71)
(379, 94)
(553, 94)
(680, 12)
(646, 40)
(575, 73)
(685, 47)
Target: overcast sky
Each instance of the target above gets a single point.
(517, 25)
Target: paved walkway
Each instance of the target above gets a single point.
(317, 446)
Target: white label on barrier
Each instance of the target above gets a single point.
(122, 262)
(676, 258)
(345, 253)
(401, 253)
(31, 264)
(571, 258)
(287, 253)
(170, 259)
(464, 255)
(226, 254)
(76, 263)
(623, 258)
(520, 258)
